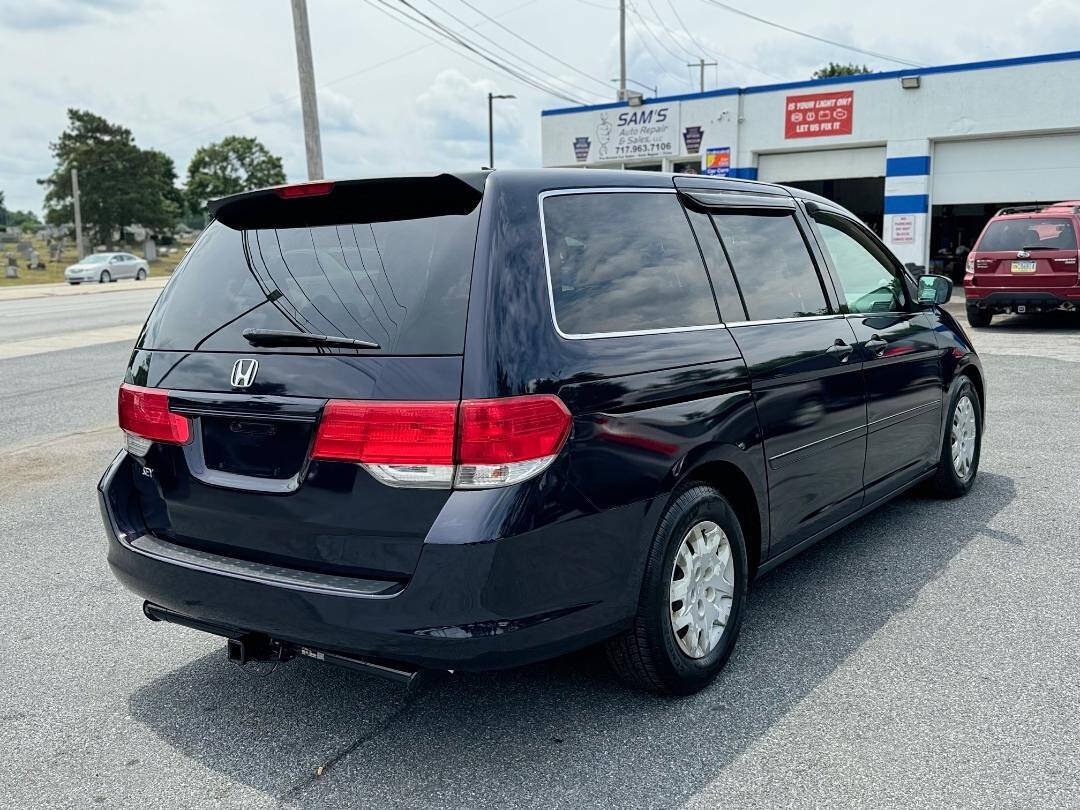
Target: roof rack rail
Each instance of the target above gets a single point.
(1072, 208)
(1018, 209)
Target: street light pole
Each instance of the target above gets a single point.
(308, 104)
(491, 127)
(622, 50)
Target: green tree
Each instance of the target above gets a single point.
(231, 165)
(119, 184)
(836, 69)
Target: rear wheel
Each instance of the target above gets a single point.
(105, 278)
(692, 598)
(960, 449)
(979, 317)
(140, 274)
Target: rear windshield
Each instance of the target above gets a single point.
(1044, 233)
(401, 284)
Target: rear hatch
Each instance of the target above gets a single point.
(291, 298)
(1026, 252)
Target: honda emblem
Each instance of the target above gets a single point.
(243, 372)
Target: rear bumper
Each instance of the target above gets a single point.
(471, 606)
(998, 300)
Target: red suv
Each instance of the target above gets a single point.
(1025, 261)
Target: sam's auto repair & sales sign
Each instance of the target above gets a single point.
(819, 114)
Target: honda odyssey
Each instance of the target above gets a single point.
(471, 421)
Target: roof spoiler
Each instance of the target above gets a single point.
(351, 202)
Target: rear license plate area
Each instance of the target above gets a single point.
(261, 448)
(1023, 267)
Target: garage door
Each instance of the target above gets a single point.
(825, 164)
(1037, 168)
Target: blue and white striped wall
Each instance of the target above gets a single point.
(907, 199)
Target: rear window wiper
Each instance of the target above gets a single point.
(1042, 247)
(278, 337)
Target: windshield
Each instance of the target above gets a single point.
(402, 284)
(96, 258)
(1030, 233)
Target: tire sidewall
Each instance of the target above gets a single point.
(105, 277)
(962, 386)
(680, 672)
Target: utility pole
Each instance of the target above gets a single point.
(308, 105)
(491, 128)
(702, 64)
(78, 213)
(622, 50)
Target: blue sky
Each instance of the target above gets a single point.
(183, 73)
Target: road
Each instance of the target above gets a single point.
(926, 656)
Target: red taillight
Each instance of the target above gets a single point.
(503, 431)
(145, 412)
(406, 433)
(498, 441)
(317, 189)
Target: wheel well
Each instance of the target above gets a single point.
(736, 487)
(976, 379)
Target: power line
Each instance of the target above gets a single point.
(510, 54)
(797, 32)
(427, 21)
(648, 27)
(533, 45)
(704, 50)
(648, 47)
(338, 80)
(666, 30)
(445, 33)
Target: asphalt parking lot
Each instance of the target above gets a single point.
(926, 656)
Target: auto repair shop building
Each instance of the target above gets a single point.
(924, 156)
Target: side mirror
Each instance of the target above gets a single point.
(934, 290)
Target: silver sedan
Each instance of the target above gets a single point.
(103, 267)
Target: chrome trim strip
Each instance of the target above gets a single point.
(923, 407)
(547, 265)
(733, 324)
(263, 574)
(818, 441)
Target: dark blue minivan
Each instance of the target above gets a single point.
(470, 421)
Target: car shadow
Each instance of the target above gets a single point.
(1056, 321)
(565, 731)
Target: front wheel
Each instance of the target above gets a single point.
(692, 597)
(962, 444)
(979, 317)
(105, 278)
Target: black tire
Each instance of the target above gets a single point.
(947, 482)
(140, 274)
(648, 655)
(979, 317)
(105, 277)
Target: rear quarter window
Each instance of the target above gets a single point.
(403, 284)
(624, 262)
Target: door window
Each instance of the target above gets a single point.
(624, 262)
(867, 278)
(770, 259)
